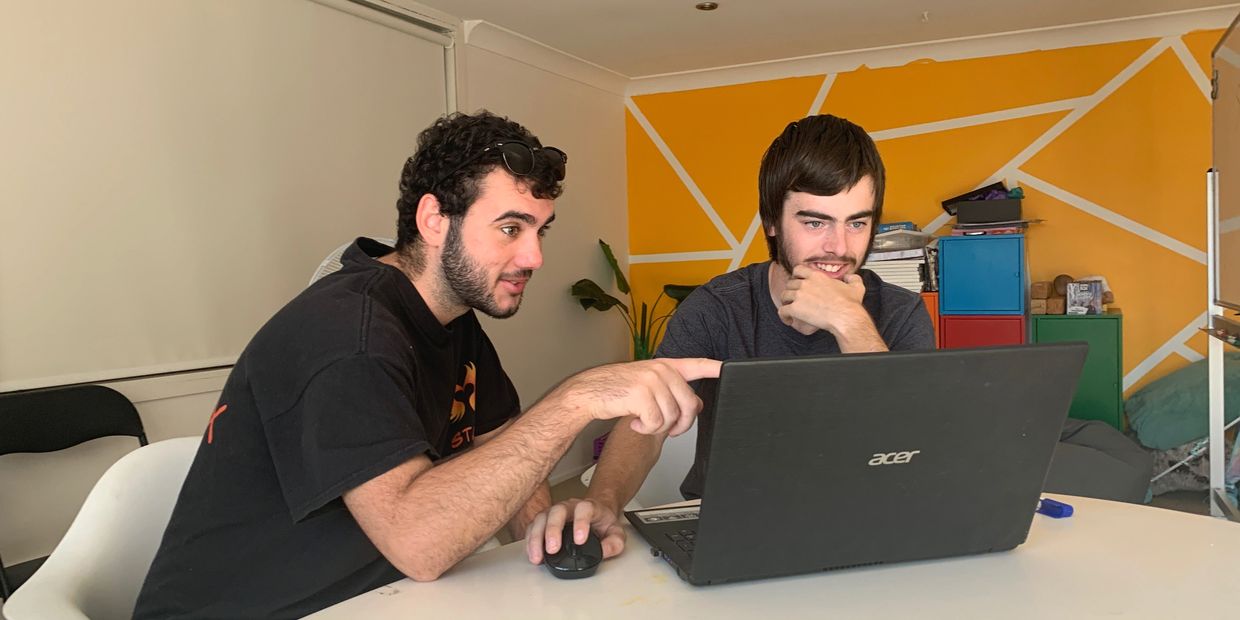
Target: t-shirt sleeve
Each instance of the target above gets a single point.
(354, 421)
(693, 327)
(915, 332)
(690, 331)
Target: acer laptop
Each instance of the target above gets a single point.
(821, 463)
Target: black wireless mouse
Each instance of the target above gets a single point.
(574, 561)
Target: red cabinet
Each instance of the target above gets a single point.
(959, 332)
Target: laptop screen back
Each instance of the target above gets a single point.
(829, 462)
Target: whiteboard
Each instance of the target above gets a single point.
(173, 172)
(1226, 139)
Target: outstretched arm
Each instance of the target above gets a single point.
(426, 518)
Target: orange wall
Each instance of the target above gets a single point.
(1110, 142)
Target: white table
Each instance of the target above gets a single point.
(1109, 559)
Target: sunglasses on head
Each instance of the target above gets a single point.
(518, 158)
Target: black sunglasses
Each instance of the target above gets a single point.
(518, 158)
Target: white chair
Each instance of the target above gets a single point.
(662, 485)
(98, 567)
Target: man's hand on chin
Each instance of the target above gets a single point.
(813, 300)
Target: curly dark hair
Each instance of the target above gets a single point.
(443, 146)
(821, 155)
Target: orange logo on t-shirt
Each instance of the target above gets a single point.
(465, 394)
(463, 437)
(211, 423)
(464, 400)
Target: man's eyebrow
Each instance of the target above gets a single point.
(830, 218)
(524, 217)
(517, 215)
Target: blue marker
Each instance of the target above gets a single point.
(1054, 509)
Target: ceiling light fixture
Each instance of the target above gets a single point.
(707, 6)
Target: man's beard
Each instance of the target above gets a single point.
(468, 281)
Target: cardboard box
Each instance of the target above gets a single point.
(1040, 290)
(1056, 305)
(987, 211)
(1037, 306)
(949, 205)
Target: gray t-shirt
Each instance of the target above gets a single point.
(733, 317)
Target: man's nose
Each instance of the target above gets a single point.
(833, 241)
(529, 255)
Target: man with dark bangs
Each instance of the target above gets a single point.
(820, 193)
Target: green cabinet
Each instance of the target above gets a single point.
(1099, 395)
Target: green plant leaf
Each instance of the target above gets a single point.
(644, 333)
(678, 291)
(591, 295)
(622, 283)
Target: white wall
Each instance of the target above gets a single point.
(567, 105)
(212, 148)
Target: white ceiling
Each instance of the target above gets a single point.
(639, 38)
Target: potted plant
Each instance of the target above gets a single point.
(646, 325)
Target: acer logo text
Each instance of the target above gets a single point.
(892, 458)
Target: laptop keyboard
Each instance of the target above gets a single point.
(683, 539)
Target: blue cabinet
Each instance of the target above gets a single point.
(982, 275)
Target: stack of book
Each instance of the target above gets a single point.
(900, 256)
(903, 268)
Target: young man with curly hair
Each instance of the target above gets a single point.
(368, 432)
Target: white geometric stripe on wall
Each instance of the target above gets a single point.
(1175, 344)
(1111, 217)
(681, 173)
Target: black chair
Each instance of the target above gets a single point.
(53, 419)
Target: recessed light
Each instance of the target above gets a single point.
(707, 6)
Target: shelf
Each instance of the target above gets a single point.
(1224, 329)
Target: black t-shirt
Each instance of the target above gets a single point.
(352, 378)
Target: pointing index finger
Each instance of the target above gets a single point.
(694, 368)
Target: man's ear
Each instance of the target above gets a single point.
(432, 225)
(770, 226)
